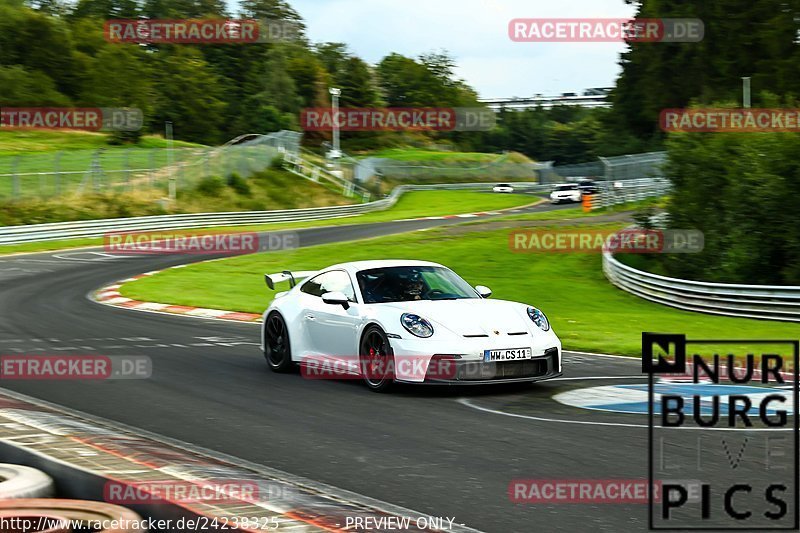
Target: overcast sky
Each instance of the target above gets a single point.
(475, 32)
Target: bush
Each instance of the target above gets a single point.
(277, 162)
(211, 186)
(743, 191)
(239, 184)
(88, 207)
(644, 217)
(118, 138)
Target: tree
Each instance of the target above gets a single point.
(274, 10)
(106, 9)
(38, 42)
(57, 8)
(333, 56)
(166, 9)
(741, 190)
(357, 84)
(119, 77)
(310, 79)
(277, 86)
(188, 94)
(22, 88)
(742, 38)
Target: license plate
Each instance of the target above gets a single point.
(511, 354)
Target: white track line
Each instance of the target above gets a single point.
(468, 403)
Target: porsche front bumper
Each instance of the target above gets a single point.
(470, 372)
(539, 368)
(463, 362)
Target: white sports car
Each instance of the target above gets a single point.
(568, 192)
(404, 321)
(503, 187)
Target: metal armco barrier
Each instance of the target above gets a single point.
(98, 228)
(624, 191)
(768, 302)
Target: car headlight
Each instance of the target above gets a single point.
(416, 325)
(539, 319)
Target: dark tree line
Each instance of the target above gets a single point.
(54, 53)
(740, 189)
(755, 38)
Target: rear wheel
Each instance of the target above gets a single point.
(376, 359)
(277, 349)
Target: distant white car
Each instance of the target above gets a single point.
(503, 187)
(568, 192)
(405, 321)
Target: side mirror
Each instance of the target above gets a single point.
(484, 292)
(336, 298)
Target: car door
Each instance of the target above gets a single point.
(331, 329)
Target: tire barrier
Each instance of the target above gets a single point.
(24, 482)
(88, 512)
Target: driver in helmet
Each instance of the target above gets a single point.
(412, 287)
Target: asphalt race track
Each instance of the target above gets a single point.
(441, 451)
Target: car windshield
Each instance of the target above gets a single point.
(504, 185)
(409, 283)
(566, 187)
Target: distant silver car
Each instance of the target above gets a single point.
(503, 187)
(568, 192)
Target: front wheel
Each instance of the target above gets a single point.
(277, 349)
(376, 360)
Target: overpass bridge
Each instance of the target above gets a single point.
(589, 98)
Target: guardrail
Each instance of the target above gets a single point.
(98, 228)
(770, 302)
(503, 168)
(624, 191)
(296, 164)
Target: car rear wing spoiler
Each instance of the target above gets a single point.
(286, 275)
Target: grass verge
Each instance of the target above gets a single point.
(27, 141)
(587, 312)
(420, 155)
(411, 205)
